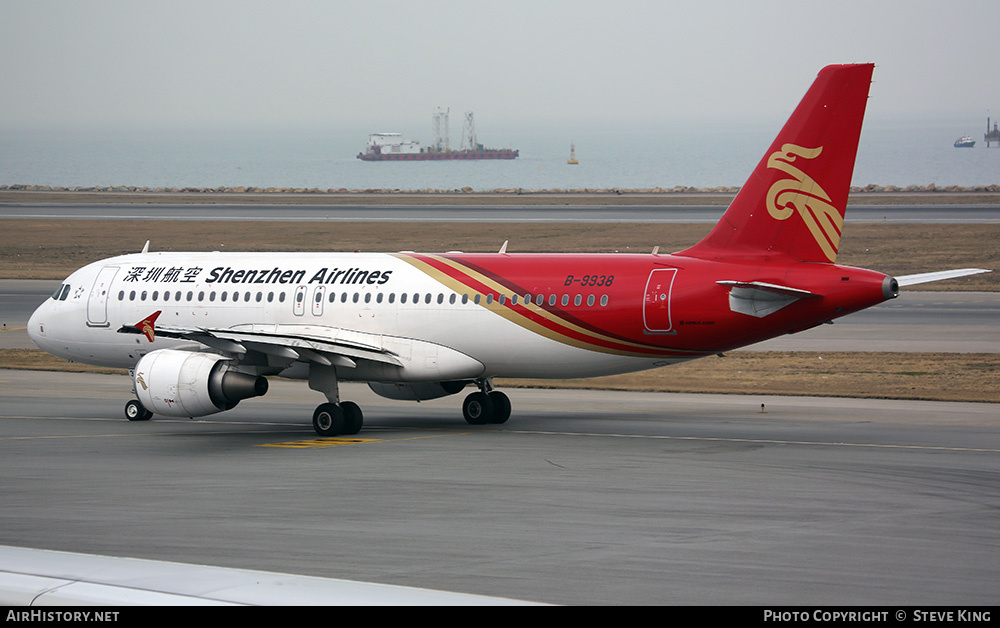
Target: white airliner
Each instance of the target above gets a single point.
(212, 326)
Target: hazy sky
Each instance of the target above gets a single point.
(388, 63)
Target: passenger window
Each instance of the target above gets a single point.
(577, 300)
(604, 300)
(590, 301)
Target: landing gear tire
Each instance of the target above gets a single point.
(478, 408)
(353, 418)
(328, 419)
(135, 411)
(501, 407)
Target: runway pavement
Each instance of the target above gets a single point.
(480, 213)
(581, 498)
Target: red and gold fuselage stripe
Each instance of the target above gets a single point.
(546, 321)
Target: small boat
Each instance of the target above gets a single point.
(965, 142)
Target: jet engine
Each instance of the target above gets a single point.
(190, 384)
(419, 391)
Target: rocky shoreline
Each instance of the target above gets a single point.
(679, 195)
(679, 189)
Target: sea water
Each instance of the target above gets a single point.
(629, 155)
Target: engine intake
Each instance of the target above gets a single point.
(184, 383)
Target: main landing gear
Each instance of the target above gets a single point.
(338, 419)
(486, 405)
(483, 407)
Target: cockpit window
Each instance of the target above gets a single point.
(61, 292)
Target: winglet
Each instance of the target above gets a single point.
(146, 325)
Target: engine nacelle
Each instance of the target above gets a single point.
(190, 384)
(419, 391)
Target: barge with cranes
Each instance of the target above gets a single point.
(392, 146)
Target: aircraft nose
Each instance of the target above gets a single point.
(36, 324)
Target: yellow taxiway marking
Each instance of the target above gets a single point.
(336, 442)
(321, 442)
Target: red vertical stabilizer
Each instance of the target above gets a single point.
(792, 206)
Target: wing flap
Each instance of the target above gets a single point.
(327, 346)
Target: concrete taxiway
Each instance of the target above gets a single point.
(581, 498)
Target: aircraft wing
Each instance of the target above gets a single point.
(912, 280)
(329, 346)
(36, 577)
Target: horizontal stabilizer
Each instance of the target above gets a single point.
(769, 287)
(758, 298)
(912, 280)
